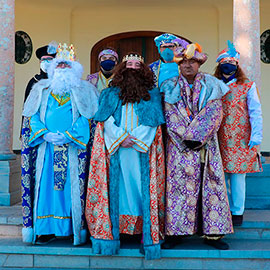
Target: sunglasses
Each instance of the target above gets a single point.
(167, 46)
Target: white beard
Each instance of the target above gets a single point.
(63, 80)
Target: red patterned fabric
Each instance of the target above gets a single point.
(130, 224)
(97, 202)
(234, 132)
(97, 199)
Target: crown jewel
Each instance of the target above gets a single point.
(133, 57)
(66, 52)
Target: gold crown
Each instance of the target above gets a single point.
(66, 53)
(133, 57)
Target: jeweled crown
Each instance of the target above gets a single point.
(66, 52)
(133, 57)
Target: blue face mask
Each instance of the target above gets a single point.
(228, 68)
(107, 64)
(167, 55)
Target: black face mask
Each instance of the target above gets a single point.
(228, 68)
(107, 64)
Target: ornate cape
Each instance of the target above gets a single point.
(187, 189)
(32, 160)
(102, 209)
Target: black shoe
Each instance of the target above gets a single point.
(218, 244)
(171, 242)
(45, 239)
(237, 220)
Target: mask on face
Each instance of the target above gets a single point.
(167, 55)
(44, 66)
(228, 68)
(107, 65)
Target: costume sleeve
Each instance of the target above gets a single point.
(79, 133)
(38, 129)
(167, 71)
(171, 90)
(144, 137)
(113, 135)
(205, 123)
(255, 114)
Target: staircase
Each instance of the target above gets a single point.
(249, 245)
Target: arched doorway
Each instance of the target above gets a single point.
(137, 41)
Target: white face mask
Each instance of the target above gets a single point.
(44, 66)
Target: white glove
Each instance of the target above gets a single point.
(253, 143)
(50, 137)
(56, 138)
(61, 139)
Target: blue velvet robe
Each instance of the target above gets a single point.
(54, 215)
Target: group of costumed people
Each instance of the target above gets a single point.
(158, 151)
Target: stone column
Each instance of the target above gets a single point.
(7, 68)
(246, 37)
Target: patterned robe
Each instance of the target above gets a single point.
(235, 132)
(195, 114)
(155, 67)
(33, 158)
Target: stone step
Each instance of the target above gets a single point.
(11, 221)
(258, 189)
(190, 254)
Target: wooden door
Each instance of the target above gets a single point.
(141, 42)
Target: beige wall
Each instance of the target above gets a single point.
(265, 71)
(43, 24)
(85, 25)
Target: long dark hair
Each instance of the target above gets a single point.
(134, 83)
(239, 74)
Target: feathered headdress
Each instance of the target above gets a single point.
(230, 53)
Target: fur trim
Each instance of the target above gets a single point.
(212, 88)
(145, 183)
(152, 252)
(108, 103)
(75, 193)
(32, 103)
(217, 88)
(114, 193)
(105, 247)
(150, 112)
(27, 235)
(85, 97)
(171, 90)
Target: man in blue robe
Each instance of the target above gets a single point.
(57, 112)
(165, 67)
